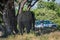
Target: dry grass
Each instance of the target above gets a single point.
(31, 36)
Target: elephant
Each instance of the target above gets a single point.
(26, 20)
(9, 18)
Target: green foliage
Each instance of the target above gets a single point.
(45, 14)
(58, 11)
(49, 5)
(25, 7)
(58, 22)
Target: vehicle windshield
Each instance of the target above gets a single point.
(47, 22)
(37, 23)
(44, 22)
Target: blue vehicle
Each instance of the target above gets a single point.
(45, 24)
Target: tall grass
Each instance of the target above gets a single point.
(31, 36)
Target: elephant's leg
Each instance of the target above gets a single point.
(2, 31)
(28, 27)
(8, 30)
(7, 26)
(33, 21)
(16, 30)
(21, 28)
(14, 26)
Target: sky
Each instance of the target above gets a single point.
(58, 1)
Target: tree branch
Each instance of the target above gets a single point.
(29, 6)
(21, 6)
